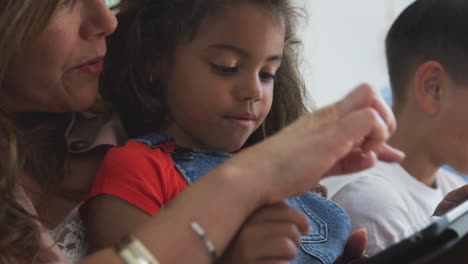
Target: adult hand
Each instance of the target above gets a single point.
(451, 200)
(364, 122)
(354, 251)
(345, 137)
(271, 235)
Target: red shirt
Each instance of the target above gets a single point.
(140, 175)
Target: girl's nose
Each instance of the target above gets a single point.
(251, 90)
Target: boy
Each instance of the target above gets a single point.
(427, 55)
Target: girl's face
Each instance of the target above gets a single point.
(59, 71)
(221, 85)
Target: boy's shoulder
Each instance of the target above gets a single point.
(380, 175)
(448, 180)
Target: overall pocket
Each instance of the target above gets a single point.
(330, 227)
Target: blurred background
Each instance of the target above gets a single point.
(344, 44)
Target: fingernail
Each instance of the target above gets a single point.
(363, 230)
(401, 153)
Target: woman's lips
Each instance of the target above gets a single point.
(93, 66)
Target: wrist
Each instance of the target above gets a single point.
(243, 180)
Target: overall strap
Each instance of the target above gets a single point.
(152, 140)
(202, 163)
(191, 163)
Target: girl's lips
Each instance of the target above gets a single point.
(247, 115)
(93, 66)
(244, 120)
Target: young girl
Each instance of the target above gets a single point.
(193, 81)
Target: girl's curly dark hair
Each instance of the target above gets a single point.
(140, 53)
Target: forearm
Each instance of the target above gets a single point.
(219, 202)
(103, 256)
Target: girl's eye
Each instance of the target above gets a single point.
(266, 76)
(223, 69)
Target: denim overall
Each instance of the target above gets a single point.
(330, 225)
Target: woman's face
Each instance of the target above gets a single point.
(59, 71)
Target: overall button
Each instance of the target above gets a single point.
(79, 145)
(184, 153)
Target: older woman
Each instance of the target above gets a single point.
(52, 53)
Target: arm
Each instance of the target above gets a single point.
(129, 188)
(327, 141)
(111, 218)
(103, 256)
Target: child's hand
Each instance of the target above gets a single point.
(354, 251)
(451, 200)
(271, 235)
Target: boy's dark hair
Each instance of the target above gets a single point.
(428, 30)
(140, 53)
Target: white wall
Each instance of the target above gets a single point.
(344, 44)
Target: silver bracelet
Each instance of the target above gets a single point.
(208, 244)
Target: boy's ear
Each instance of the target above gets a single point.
(429, 88)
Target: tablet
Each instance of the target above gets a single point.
(430, 242)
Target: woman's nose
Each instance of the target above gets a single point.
(98, 20)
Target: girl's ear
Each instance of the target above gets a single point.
(429, 86)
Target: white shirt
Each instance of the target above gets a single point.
(388, 201)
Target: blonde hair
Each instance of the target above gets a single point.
(21, 21)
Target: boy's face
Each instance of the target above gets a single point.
(221, 84)
(453, 125)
